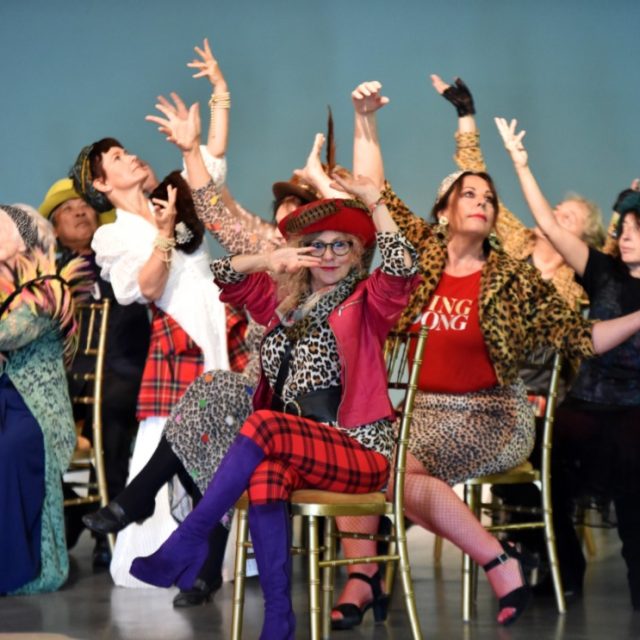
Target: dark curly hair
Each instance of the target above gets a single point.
(185, 208)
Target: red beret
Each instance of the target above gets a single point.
(335, 214)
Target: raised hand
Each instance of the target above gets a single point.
(180, 125)
(367, 97)
(513, 141)
(207, 65)
(165, 212)
(313, 172)
(291, 259)
(361, 187)
(457, 94)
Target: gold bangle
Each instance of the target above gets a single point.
(220, 100)
(217, 101)
(164, 244)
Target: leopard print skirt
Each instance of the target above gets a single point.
(460, 436)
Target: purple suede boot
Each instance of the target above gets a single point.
(180, 558)
(270, 527)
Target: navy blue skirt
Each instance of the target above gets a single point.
(22, 487)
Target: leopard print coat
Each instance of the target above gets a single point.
(519, 311)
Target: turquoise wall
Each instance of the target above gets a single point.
(72, 72)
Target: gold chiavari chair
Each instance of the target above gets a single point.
(403, 355)
(541, 517)
(93, 319)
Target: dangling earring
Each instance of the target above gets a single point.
(443, 221)
(494, 241)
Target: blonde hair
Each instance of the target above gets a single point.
(292, 288)
(594, 233)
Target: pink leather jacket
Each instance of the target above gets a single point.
(360, 324)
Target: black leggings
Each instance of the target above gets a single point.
(138, 498)
(597, 452)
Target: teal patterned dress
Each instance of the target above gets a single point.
(36, 334)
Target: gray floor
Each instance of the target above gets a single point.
(90, 607)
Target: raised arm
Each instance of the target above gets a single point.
(460, 97)
(219, 102)
(574, 250)
(367, 156)
(181, 126)
(512, 232)
(365, 190)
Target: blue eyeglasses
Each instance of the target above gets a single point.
(339, 247)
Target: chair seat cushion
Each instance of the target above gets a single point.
(316, 496)
(522, 473)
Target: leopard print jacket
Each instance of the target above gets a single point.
(519, 311)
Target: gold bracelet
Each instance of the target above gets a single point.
(164, 244)
(217, 101)
(220, 100)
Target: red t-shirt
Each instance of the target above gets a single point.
(455, 358)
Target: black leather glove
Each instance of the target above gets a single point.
(460, 97)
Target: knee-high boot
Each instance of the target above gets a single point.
(180, 558)
(270, 528)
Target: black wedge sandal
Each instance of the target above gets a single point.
(517, 599)
(352, 614)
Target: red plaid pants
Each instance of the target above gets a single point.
(304, 454)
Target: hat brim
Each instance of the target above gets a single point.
(346, 216)
(54, 200)
(282, 190)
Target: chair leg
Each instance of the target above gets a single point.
(405, 574)
(328, 575)
(472, 499)
(552, 550)
(437, 551)
(589, 542)
(390, 566)
(315, 613)
(239, 575)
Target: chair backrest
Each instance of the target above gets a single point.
(550, 416)
(403, 356)
(93, 320)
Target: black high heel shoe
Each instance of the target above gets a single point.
(517, 599)
(109, 519)
(352, 614)
(199, 594)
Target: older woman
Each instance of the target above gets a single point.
(37, 432)
(485, 310)
(596, 435)
(341, 437)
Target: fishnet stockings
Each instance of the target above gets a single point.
(434, 505)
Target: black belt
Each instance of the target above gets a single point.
(320, 405)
